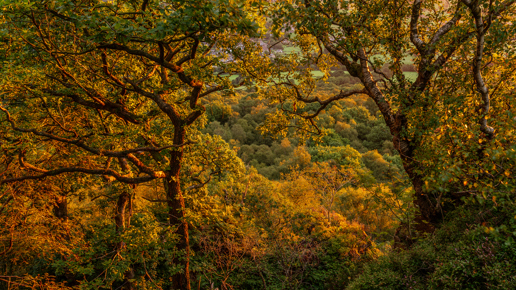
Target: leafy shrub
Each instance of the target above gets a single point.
(473, 249)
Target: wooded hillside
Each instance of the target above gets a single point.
(236, 144)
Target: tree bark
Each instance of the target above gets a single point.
(61, 207)
(427, 215)
(124, 200)
(176, 204)
(428, 212)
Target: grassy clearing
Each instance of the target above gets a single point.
(231, 77)
(406, 60)
(291, 49)
(317, 73)
(411, 76)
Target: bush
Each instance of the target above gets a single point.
(375, 162)
(473, 249)
(377, 136)
(346, 131)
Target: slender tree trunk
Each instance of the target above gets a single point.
(124, 201)
(60, 211)
(61, 207)
(176, 204)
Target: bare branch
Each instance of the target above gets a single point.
(201, 184)
(166, 108)
(194, 115)
(155, 200)
(191, 55)
(144, 5)
(325, 103)
(173, 67)
(212, 90)
(495, 13)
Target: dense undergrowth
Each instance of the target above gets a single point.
(474, 248)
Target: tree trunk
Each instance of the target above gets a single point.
(123, 201)
(427, 215)
(121, 222)
(176, 204)
(61, 207)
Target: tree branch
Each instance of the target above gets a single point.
(115, 108)
(79, 143)
(414, 19)
(475, 9)
(108, 172)
(445, 28)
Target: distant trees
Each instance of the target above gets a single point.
(341, 122)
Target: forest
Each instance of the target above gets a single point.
(257, 144)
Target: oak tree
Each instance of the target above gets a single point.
(451, 119)
(113, 90)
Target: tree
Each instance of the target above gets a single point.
(465, 58)
(114, 90)
(327, 180)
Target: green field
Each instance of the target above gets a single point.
(411, 76)
(291, 49)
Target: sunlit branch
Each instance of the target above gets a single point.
(59, 171)
(144, 168)
(111, 76)
(325, 103)
(105, 105)
(79, 143)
